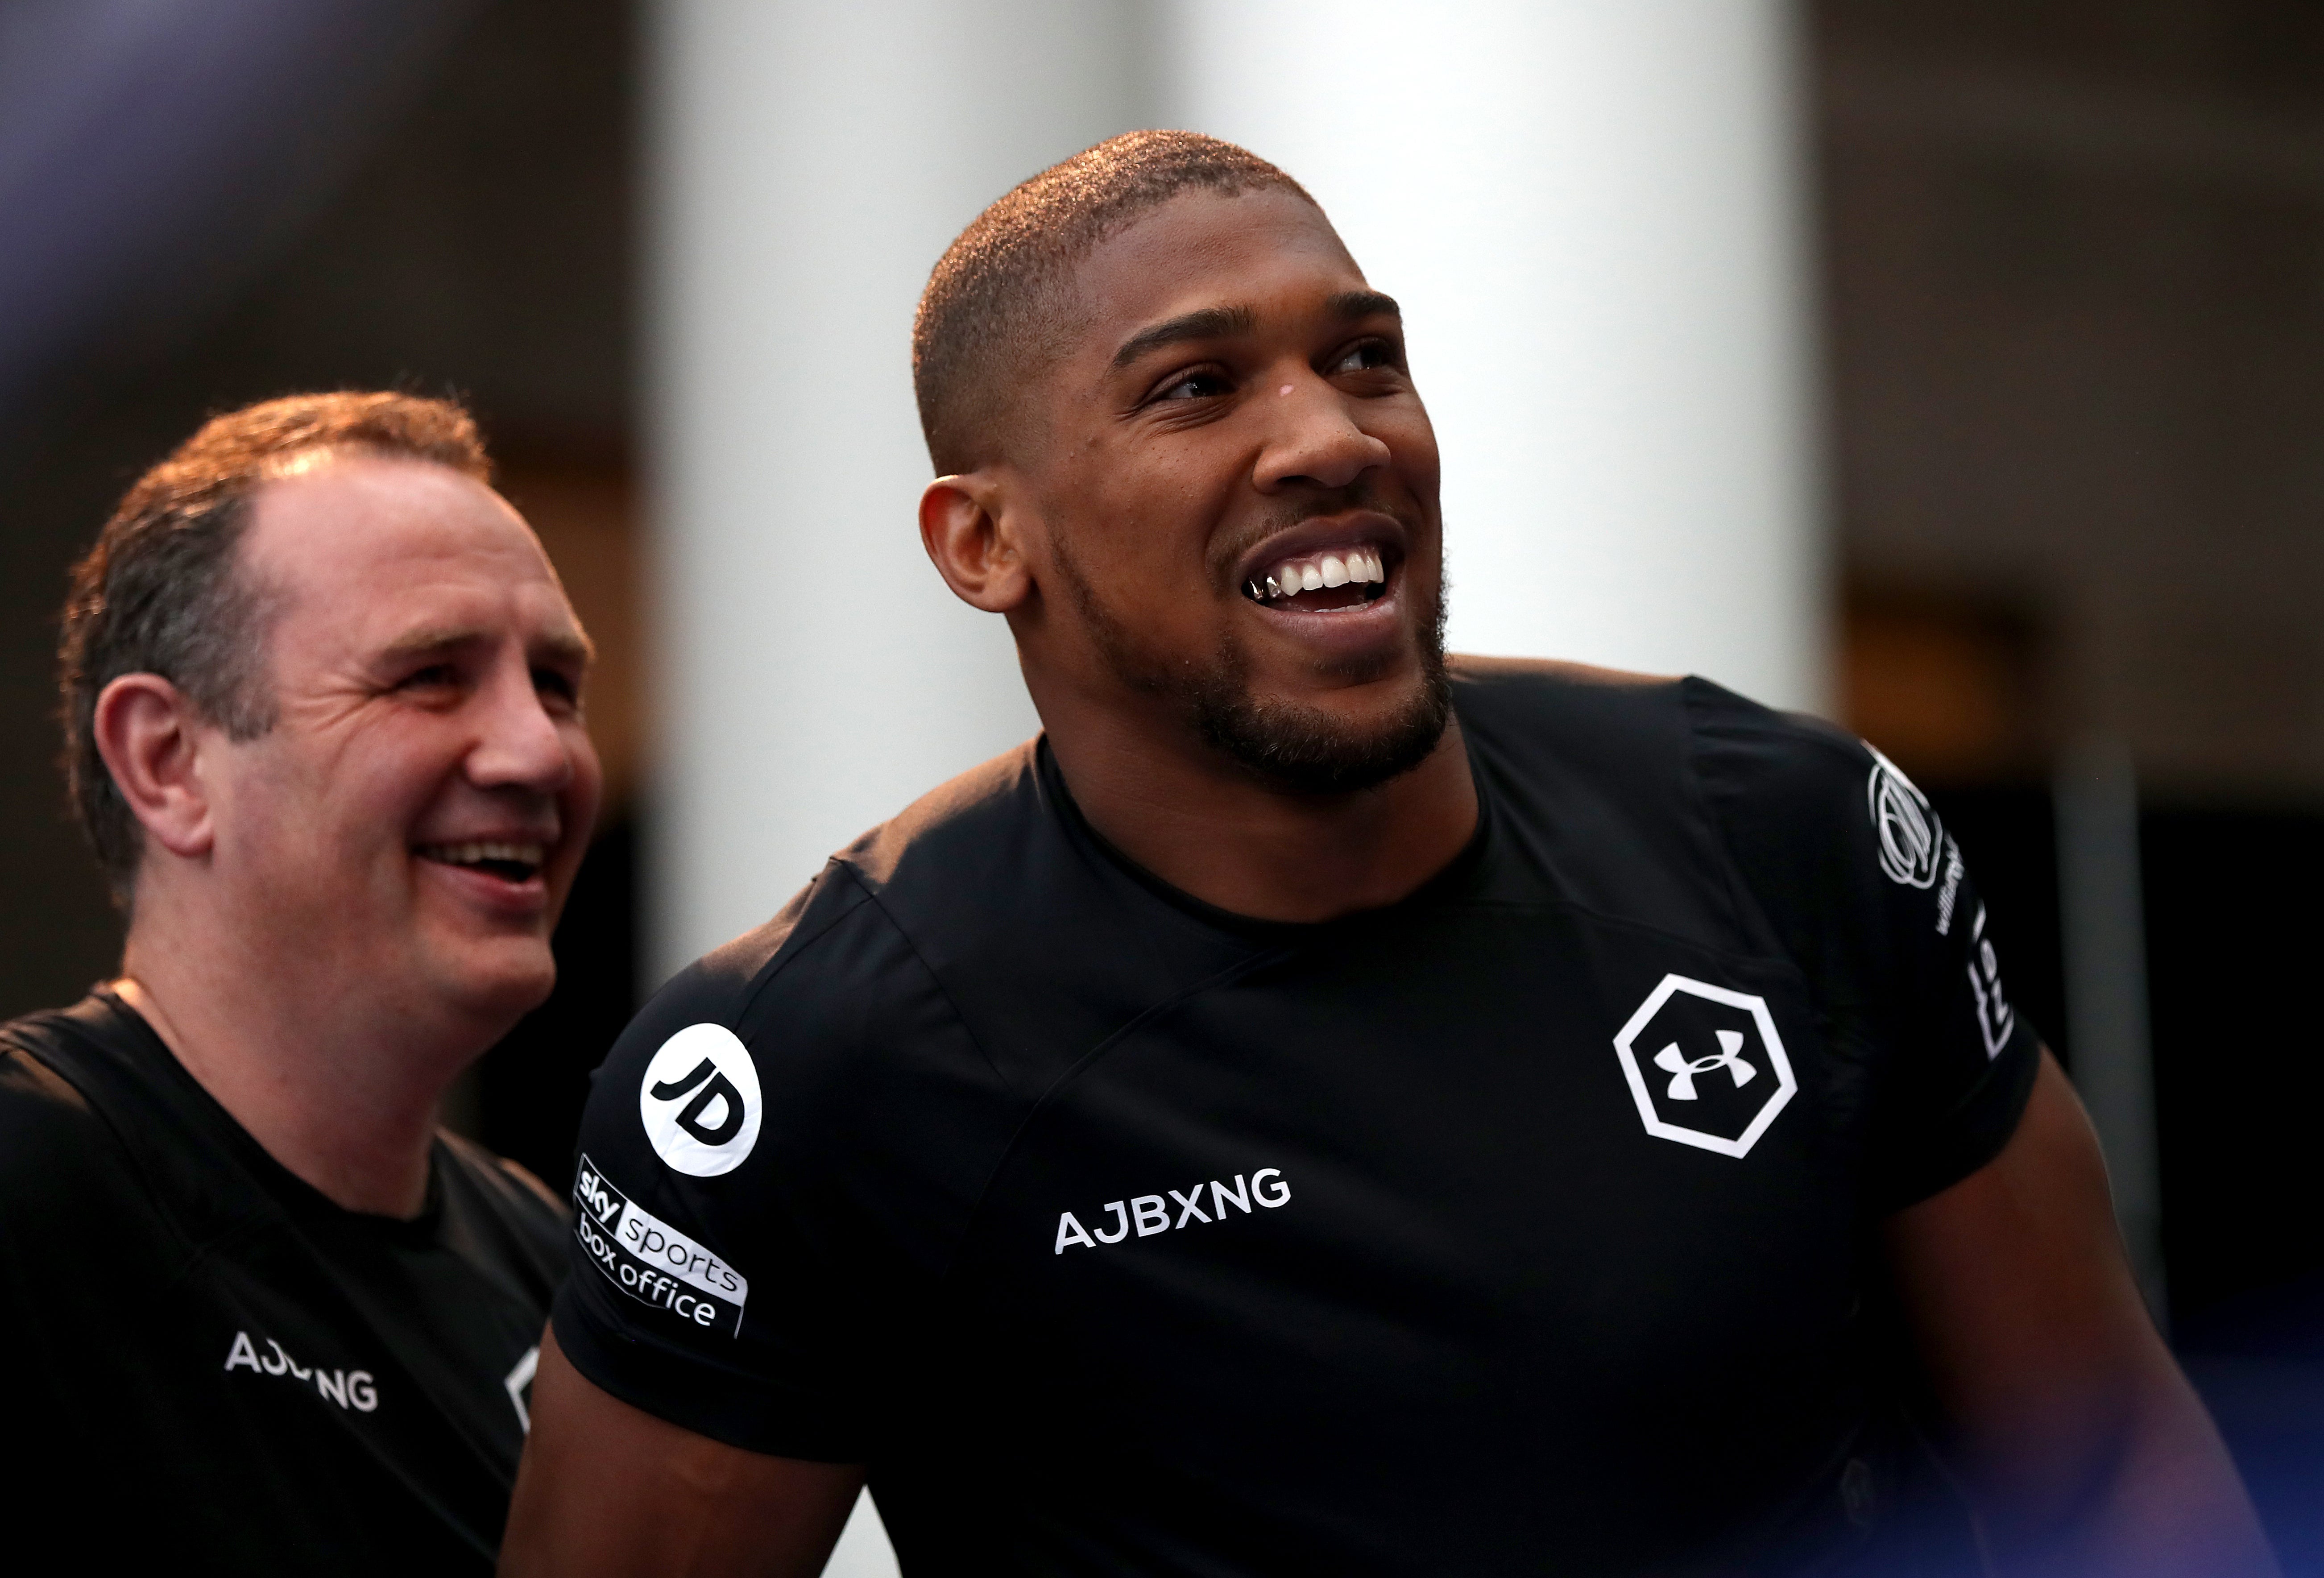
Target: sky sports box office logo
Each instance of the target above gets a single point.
(652, 1261)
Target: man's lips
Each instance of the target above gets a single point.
(1337, 565)
(1356, 575)
(516, 862)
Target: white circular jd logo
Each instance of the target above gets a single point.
(1912, 839)
(699, 1100)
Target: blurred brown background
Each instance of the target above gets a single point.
(2073, 319)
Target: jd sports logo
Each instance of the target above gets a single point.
(1705, 1066)
(713, 1092)
(699, 1100)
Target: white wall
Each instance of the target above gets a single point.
(807, 164)
(1592, 213)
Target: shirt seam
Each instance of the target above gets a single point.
(952, 1006)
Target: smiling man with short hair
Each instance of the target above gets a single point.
(1321, 1107)
(322, 692)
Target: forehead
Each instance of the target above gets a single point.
(363, 548)
(1267, 250)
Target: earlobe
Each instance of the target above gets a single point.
(145, 730)
(970, 539)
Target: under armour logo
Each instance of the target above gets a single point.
(1727, 1116)
(1730, 1057)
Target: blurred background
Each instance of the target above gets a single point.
(1954, 370)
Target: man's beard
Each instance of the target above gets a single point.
(1291, 747)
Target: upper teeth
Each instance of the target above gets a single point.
(469, 855)
(1294, 575)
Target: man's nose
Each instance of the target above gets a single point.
(518, 744)
(1314, 441)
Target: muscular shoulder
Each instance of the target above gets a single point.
(1588, 773)
(939, 865)
(1783, 770)
(1814, 818)
(1570, 711)
(814, 1046)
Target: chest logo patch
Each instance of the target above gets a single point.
(1705, 1066)
(699, 1100)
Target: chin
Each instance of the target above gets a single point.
(1306, 748)
(502, 982)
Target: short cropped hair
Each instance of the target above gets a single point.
(163, 593)
(982, 331)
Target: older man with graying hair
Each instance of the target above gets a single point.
(322, 698)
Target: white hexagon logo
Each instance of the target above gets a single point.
(1714, 1073)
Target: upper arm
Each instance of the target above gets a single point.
(2084, 1447)
(2029, 1325)
(605, 1489)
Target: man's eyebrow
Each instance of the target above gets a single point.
(1364, 304)
(1211, 322)
(569, 647)
(1207, 323)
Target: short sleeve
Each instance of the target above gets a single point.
(775, 1160)
(1870, 894)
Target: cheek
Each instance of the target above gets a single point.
(584, 793)
(1412, 440)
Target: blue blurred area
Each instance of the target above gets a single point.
(153, 153)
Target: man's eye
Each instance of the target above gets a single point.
(1367, 357)
(563, 687)
(1197, 385)
(433, 677)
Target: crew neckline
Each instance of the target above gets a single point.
(1453, 875)
(294, 1193)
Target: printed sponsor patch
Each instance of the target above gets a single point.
(652, 1261)
(1705, 1066)
(1912, 839)
(699, 1100)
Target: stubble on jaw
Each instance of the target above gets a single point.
(1289, 747)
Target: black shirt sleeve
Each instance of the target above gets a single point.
(775, 1161)
(1870, 895)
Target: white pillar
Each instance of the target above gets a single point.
(1591, 211)
(807, 163)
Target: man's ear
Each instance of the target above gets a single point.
(147, 732)
(975, 542)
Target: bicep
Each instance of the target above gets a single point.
(606, 1488)
(2022, 1300)
(2084, 1446)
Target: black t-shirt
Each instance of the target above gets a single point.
(212, 1368)
(1523, 1225)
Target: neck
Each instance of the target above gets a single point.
(1199, 822)
(341, 1092)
